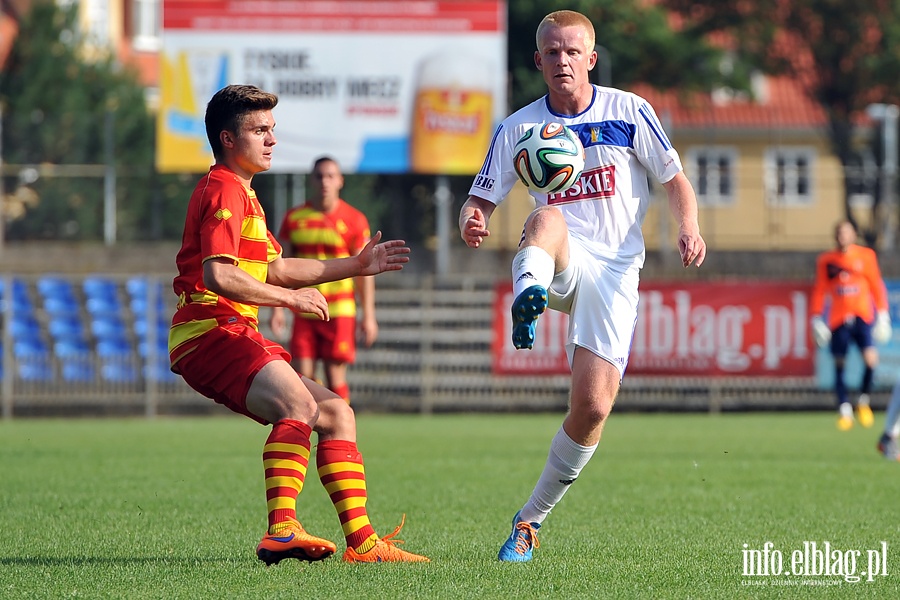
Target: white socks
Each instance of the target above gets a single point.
(564, 464)
(532, 266)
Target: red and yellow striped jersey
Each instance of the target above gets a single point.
(339, 233)
(224, 219)
(851, 282)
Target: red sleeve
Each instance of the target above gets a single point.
(222, 214)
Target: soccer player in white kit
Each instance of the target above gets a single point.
(582, 249)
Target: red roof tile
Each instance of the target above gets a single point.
(782, 104)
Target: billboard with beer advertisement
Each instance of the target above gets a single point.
(384, 86)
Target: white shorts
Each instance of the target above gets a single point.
(601, 299)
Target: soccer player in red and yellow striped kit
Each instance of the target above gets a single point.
(328, 227)
(228, 266)
(849, 279)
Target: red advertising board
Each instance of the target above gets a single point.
(686, 329)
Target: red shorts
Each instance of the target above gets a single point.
(223, 365)
(333, 340)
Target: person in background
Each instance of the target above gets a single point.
(328, 227)
(582, 249)
(229, 265)
(887, 443)
(849, 286)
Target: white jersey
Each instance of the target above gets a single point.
(624, 143)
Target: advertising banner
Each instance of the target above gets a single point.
(383, 86)
(686, 329)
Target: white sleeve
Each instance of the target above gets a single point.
(652, 145)
(497, 176)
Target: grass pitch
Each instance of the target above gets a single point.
(174, 508)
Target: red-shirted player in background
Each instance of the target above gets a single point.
(849, 281)
(328, 227)
(228, 266)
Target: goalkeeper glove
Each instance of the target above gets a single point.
(881, 330)
(820, 331)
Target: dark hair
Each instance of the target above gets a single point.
(324, 159)
(228, 107)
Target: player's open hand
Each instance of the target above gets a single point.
(474, 229)
(377, 258)
(308, 300)
(692, 247)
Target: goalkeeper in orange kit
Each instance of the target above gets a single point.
(849, 282)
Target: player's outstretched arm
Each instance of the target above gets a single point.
(473, 220)
(683, 204)
(226, 279)
(373, 259)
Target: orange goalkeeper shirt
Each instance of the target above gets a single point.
(851, 283)
(339, 233)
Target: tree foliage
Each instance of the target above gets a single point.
(56, 102)
(642, 47)
(845, 55)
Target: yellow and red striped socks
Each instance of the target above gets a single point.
(341, 471)
(285, 458)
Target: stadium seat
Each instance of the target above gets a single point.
(99, 287)
(66, 328)
(161, 347)
(117, 372)
(141, 328)
(159, 371)
(29, 347)
(103, 305)
(68, 348)
(24, 326)
(139, 306)
(35, 369)
(109, 328)
(61, 306)
(54, 286)
(114, 348)
(21, 299)
(77, 371)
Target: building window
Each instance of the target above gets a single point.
(146, 16)
(711, 170)
(788, 175)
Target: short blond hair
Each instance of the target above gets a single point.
(567, 18)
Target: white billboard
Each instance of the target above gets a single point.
(383, 86)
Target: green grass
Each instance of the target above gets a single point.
(173, 508)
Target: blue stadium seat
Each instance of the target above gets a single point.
(68, 348)
(161, 347)
(103, 305)
(24, 326)
(109, 328)
(61, 306)
(55, 286)
(21, 299)
(66, 328)
(77, 371)
(25, 347)
(114, 348)
(35, 369)
(96, 286)
(159, 371)
(118, 372)
(141, 328)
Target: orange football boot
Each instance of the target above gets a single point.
(292, 541)
(384, 550)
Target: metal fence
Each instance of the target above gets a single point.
(97, 344)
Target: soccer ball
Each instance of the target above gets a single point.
(549, 158)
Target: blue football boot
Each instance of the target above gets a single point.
(526, 309)
(521, 543)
